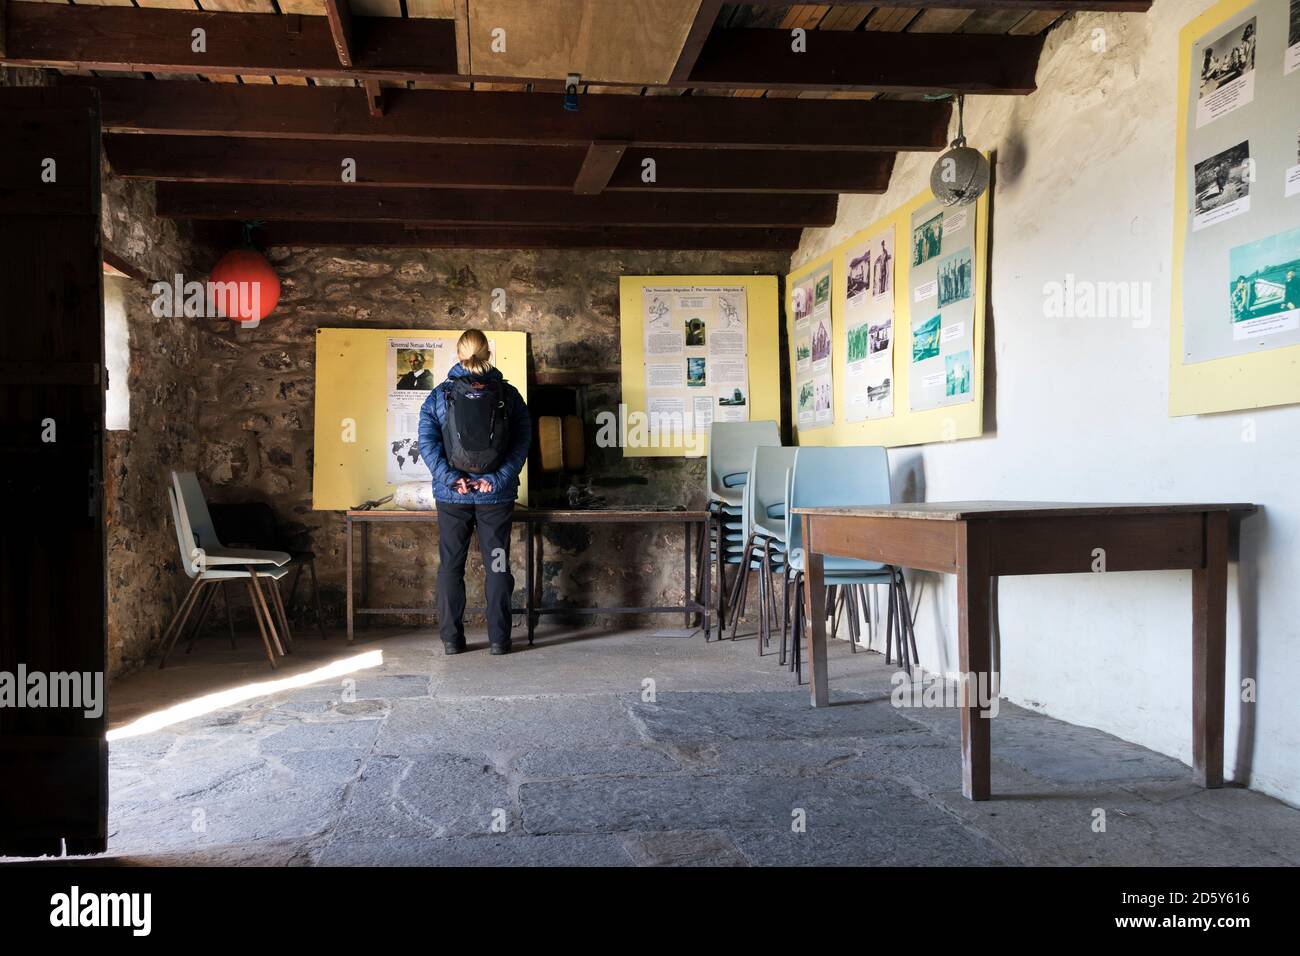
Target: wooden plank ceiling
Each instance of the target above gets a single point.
(452, 113)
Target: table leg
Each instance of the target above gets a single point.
(815, 593)
(706, 599)
(528, 580)
(347, 525)
(365, 571)
(974, 655)
(1209, 648)
(686, 582)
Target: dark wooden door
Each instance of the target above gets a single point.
(53, 760)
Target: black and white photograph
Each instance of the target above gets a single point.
(1227, 74)
(954, 274)
(1222, 184)
(1292, 62)
(860, 269)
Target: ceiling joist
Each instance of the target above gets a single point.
(481, 206)
(438, 116)
(360, 234)
(202, 159)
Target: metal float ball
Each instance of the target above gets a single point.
(960, 176)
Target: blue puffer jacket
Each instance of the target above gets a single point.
(505, 480)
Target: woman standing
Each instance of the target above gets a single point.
(475, 432)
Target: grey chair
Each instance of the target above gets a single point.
(207, 562)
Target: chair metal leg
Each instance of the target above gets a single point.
(261, 625)
(742, 586)
(889, 626)
(315, 595)
(173, 629)
(230, 618)
(262, 607)
(277, 602)
(205, 605)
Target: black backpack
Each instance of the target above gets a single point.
(476, 428)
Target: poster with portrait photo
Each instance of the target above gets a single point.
(1226, 80)
(415, 367)
(1222, 183)
(940, 341)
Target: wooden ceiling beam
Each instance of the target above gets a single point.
(865, 60)
(489, 207)
(203, 159)
(433, 116)
(696, 37)
(127, 39)
(354, 234)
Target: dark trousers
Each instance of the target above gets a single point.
(455, 524)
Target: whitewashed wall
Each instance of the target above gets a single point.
(1085, 187)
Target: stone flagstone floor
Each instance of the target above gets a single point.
(623, 748)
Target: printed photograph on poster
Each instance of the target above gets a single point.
(882, 282)
(696, 376)
(1227, 78)
(927, 240)
(955, 276)
(925, 339)
(822, 294)
(805, 406)
(414, 370)
(879, 394)
(821, 341)
(802, 301)
(732, 405)
(694, 332)
(1222, 187)
(957, 374)
(1293, 41)
(822, 398)
(1265, 293)
(859, 275)
(859, 343)
(803, 349)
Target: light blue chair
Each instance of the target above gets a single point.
(843, 477)
(763, 527)
(207, 561)
(731, 451)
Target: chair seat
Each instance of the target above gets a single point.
(233, 573)
(771, 529)
(832, 564)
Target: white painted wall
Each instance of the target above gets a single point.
(1085, 186)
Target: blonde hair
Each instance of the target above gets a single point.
(473, 353)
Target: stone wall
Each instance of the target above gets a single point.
(256, 391)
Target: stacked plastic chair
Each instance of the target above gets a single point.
(763, 529)
(731, 453)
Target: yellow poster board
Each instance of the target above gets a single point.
(1253, 380)
(904, 427)
(351, 456)
(762, 307)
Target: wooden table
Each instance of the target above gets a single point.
(533, 518)
(980, 541)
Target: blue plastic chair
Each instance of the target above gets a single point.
(763, 521)
(731, 451)
(844, 477)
